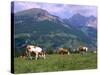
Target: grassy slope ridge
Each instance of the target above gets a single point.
(56, 62)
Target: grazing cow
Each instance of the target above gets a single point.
(83, 50)
(63, 51)
(35, 50)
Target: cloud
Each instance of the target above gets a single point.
(83, 9)
(20, 6)
(61, 10)
(92, 23)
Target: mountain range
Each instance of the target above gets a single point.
(39, 27)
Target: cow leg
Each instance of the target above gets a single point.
(27, 54)
(36, 56)
(30, 55)
(68, 53)
(44, 56)
(86, 52)
(40, 55)
(81, 52)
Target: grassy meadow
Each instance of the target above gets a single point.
(56, 62)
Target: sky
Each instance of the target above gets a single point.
(61, 10)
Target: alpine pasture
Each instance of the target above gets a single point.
(56, 62)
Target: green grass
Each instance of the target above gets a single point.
(56, 62)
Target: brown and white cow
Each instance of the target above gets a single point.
(36, 51)
(83, 50)
(63, 51)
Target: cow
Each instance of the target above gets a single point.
(83, 50)
(63, 51)
(36, 51)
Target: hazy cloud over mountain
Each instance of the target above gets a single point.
(61, 10)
